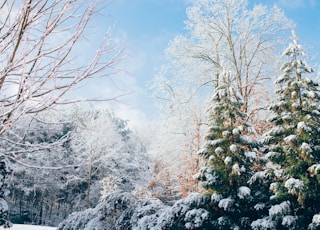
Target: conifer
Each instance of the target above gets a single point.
(230, 159)
(294, 144)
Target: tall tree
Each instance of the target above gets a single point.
(294, 144)
(177, 137)
(108, 147)
(231, 161)
(244, 39)
(39, 52)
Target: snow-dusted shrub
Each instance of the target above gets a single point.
(121, 210)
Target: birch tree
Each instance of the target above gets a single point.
(40, 63)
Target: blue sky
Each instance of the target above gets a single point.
(146, 27)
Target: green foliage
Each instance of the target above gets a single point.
(230, 160)
(293, 142)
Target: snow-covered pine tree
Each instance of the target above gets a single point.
(294, 145)
(231, 160)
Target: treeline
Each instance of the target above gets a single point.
(76, 159)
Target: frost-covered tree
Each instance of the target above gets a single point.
(294, 144)
(32, 192)
(110, 152)
(41, 43)
(232, 32)
(49, 184)
(177, 136)
(232, 160)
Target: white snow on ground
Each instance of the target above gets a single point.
(28, 227)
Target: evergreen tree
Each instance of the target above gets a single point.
(294, 145)
(231, 162)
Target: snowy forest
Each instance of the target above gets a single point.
(236, 144)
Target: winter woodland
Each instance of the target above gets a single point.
(236, 144)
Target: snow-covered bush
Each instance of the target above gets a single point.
(121, 210)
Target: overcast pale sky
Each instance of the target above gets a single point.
(147, 26)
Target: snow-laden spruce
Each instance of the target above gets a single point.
(293, 144)
(231, 157)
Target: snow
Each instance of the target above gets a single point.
(212, 158)
(263, 224)
(315, 112)
(279, 209)
(243, 192)
(216, 142)
(271, 155)
(316, 219)
(310, 94)
(211, 175)
(236, 169)
(294, 185)
(259, 206)
(219, 150)
(306, 147)
(228, 160)
(234, 148)
(295, 105)
(314, 169)
(236, 131)
(276, 131)
(302, 126)
(288, 221)
(226, 204)
(287, 117)
(258, 176)
(251, 155)
(29, 227)
(195, 218)
(315, 222)
(216, 197)
(223, 221)
(274, 187)
(290, 139)
(226, 133)
(278, 173)
(202, 152)
(247, 139)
